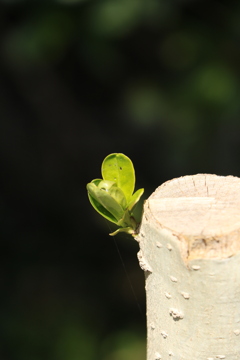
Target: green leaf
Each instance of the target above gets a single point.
(127, 230)
(118, 167)
(135, 198)
(98, 207)
(101, 210)
(106, 200)
(96, 181)
(114, 191)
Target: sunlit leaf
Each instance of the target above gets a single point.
(118, 167)
(135, 198)
(128, 230)
(114, 191)
(101, 210)
(106, 200)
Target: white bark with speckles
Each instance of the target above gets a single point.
(190, 252)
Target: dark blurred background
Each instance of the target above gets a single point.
(155, 79)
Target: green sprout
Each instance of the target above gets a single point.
(113, 196)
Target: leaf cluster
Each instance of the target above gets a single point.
(113, 196)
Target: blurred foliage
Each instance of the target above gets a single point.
(157, 80)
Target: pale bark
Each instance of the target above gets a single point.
(190, 251)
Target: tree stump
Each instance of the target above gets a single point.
(190, 251)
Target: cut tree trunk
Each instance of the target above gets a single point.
(190, 251)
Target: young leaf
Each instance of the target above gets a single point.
(114, 191)
(135, 198)
(127, 230)
(106, 200)
(118, 167)
(101, 210)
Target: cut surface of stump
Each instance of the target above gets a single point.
(203, 211)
